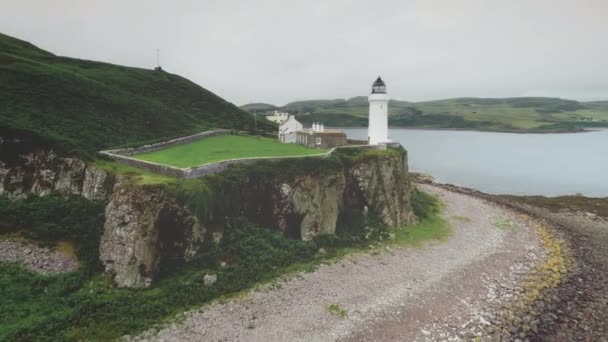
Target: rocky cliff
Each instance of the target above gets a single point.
(147, 224)
(42, 172)
(141, 226)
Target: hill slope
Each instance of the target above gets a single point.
(523, 114)
(85, 106)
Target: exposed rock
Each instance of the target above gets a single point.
(315, 200)
(97, 184)
(36, 258)
(209, 279)
(383, 186)
(42, 173)
(3, 173)
(146, 226)
(128, 246)
(142, 225)
(70, 176)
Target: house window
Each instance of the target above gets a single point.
(318, 141)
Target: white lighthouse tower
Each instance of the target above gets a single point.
(377, 131)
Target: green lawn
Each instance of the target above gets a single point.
(225, 147)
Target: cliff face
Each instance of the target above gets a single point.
(141, 225)
(146, 225)
(149, 225)
(383, 186)
(43, 172)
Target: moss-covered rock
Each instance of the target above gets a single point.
(301, 198)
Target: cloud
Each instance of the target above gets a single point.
(279, 51)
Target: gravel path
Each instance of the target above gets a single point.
(35, 258)
(441, 291)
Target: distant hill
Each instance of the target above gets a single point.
(84, 106)
(258, 107)
(520, 114)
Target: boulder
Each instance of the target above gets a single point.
(144, 226)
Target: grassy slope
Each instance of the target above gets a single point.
(225, 147)
(86, 106)
(509, 114)
(258, 107)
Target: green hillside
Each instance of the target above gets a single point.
(259, 107)
(522, 114)
(85, 106)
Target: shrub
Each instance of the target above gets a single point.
(423, 204)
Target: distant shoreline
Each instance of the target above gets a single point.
(588, 130)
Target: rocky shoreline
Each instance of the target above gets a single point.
(450, 290)
(577, 309)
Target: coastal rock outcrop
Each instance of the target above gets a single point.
(148, 226)
(142, 225)
(312, 201)
(383, 186)
(43, 172)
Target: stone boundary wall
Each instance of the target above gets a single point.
(146, 165)
(356, 141)
(164, 144)
(123, 156)
(211, 168)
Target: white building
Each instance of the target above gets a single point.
(278, 117)
(288, 129)
(377, 131)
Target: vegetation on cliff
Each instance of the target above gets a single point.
(51, 219)
(83, 106)
(80, 305)
(522, 114)
(86, 304)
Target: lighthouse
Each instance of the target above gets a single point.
(377, 131)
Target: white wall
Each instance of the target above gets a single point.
(378, 119)
(278, 117)
(287, 130)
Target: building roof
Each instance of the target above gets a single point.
(291, 118)
(379, 86)
(379, 82)
(327, 131)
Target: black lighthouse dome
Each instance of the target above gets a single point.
(379, 87)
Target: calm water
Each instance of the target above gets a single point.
(534, 164)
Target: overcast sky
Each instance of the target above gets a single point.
(280, 51)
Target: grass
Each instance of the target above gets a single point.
(225, 147)
(504, 224)
(461, 218)
(136, 175)
(85, 306)
(337, 310)
(434, 227)
(84, 106)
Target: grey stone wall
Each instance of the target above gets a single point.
(161, 145)
(124, 156)
(146, 165)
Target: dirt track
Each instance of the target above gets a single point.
(451, 290)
